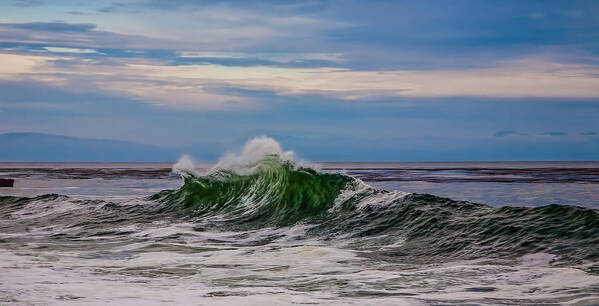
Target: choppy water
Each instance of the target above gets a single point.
(260, 229)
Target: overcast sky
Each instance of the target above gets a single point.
(331, 80)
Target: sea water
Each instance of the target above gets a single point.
(261, 228)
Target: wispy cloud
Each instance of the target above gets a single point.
(69, 50)
(504, 133)
(117, 6)
(27, 3)
(280, 57)
(555, 133)
(191, 85)
(84, 36)
(78, 13)
(51, 26)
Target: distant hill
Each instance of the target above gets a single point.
(54, 148)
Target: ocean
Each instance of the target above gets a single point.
(260, 228)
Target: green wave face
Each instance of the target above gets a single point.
(275, 192)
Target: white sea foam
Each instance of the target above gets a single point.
(253, 152)
(185, 167)
(538, 259)
(246, 161)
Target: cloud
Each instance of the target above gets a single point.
(280, 59)
(84, 36)
(215, 29)
(377, 36)
(51, 26)
(282, 6)
(165, 85)
(504, 133)
(27, 3)
(554, 134)
(35, 106)
(69, 50)
(77, 13)
(114, 7)
(518, 79)
(17, 66)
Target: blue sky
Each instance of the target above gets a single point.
(331, 80)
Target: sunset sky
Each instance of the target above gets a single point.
(331, 80)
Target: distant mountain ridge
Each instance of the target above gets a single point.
(40, 147)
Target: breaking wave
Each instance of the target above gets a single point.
(264, 186)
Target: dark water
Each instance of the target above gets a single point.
(266, 231)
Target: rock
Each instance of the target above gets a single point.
(6, 182)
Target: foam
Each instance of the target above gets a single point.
(185, 167)
(253, 152)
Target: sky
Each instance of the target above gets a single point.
(331, 80)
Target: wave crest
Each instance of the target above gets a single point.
(261, 183)
(274, 191)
